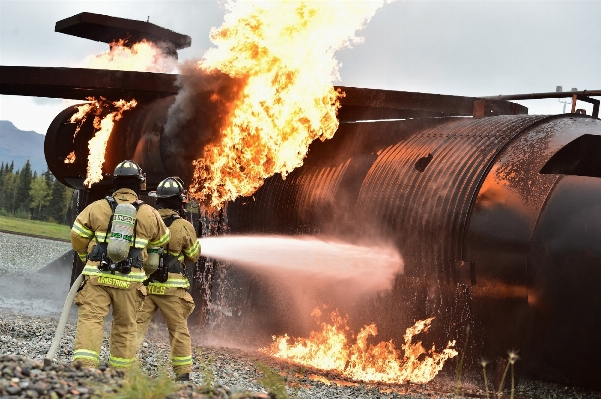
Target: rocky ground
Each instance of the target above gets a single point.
(29, 306)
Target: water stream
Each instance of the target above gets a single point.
(367, 267)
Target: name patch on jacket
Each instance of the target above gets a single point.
(153, 289)
(113, 282)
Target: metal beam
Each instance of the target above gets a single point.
(80, 83)
(357, 104)
(425, 104)
(107, 29)
(538, 96)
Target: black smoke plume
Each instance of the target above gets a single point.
(196, 118)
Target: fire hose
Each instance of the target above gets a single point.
(62, 321)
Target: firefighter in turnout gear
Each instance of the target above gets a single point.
(112, 280)
(167, 286)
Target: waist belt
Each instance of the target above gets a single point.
(169, 264)
(173, 264)
(175, 268)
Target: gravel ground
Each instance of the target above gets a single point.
(29, 306)
(22, 254)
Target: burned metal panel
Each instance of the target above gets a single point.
(139, 139)
(319, 196)
(107, 29)
(509, 203)
(580, 158)
(427, 211)
(565, 275)
(80, 83)
(516, 219)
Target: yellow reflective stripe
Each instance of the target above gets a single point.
(86, 354)
(82, 230)
(135, 275)
(193, 250)
(141, 242)
(100, 235)
(172, 283)
(120, 362)
(161, 241)
(177, 255)
(181, 360)
(83, 257)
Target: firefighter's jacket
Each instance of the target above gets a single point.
(184, 246)
(91, 227)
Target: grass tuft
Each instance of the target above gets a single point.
(459, 374)
(205, 369)
(484, 362)
(138, 385)
(512, 358)
(272, 382)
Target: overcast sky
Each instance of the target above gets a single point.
(467, 48)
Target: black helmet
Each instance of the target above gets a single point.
(129, 170)
(172, 187)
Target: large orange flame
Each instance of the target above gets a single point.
(330, 349)
(143, 56)
(103, 124)
(285, 52)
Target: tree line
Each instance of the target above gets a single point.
(25, 194)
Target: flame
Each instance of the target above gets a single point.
(97, 144)
(284, 50)
(330, 350)
(82, 114)
(70, 158)
(143, 56)
(103, 124)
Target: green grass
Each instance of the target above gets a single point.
(273, 383)
(44, 229)
(138, 385)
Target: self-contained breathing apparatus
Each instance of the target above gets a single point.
(171, 190)
(119, 253)
(167, 262)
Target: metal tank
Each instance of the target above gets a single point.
(496, 218)
(137, 136)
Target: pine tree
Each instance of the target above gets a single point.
(22, 198)
(8, 192)
(56, 208)
(43, 212)
(2, 174)
(40, 195)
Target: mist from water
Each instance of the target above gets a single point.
(360, 268)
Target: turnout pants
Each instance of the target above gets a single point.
(94, 302)
(175, 308)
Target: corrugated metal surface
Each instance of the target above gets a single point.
(427, 211)
(292, 205)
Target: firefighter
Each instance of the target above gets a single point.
(167, 286)
(106, 283)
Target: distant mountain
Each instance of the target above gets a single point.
(20, 145)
